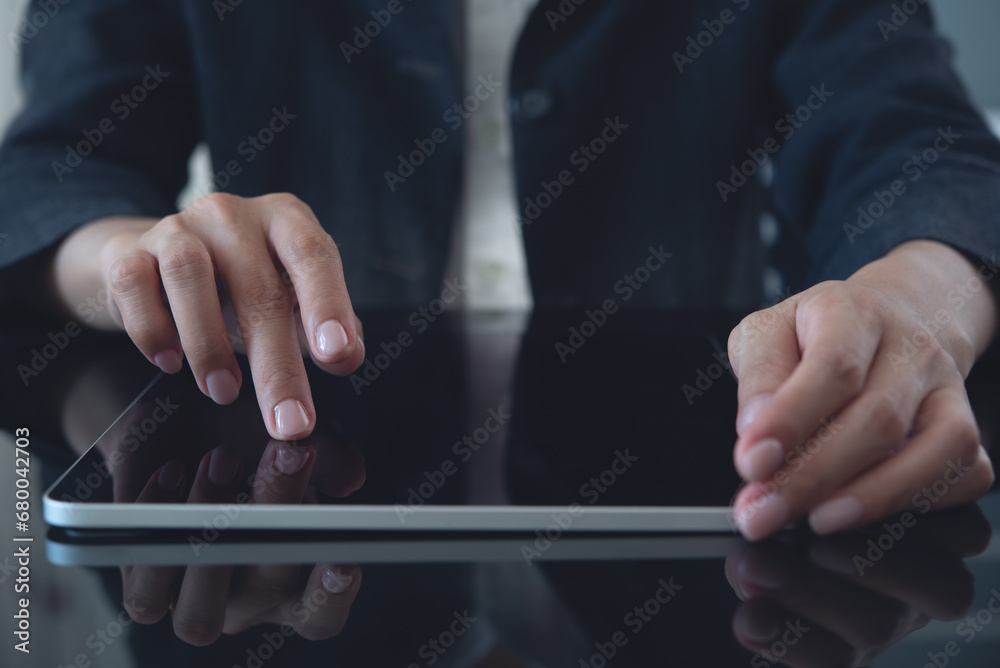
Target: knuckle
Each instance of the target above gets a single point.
(209, 350)
(744, 333)
(734, 337)
(264, 300)
(982, 478)
(756, 325)
(171, 225)
(276, 374)
(734, 346)
(288, 203)
(129, 274)
(218, 204)
(826, 295)
(847, 372)
(182, 256)
(748, 324)
(312, 249)
(966, 435)
(220, 208)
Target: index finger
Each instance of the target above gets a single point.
(265, 313)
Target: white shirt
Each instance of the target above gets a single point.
(487, 249)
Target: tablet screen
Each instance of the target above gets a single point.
(620, 410)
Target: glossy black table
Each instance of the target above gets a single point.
(923, 593)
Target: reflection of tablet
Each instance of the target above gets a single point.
(630, 432)
(434, 548)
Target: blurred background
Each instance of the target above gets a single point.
(971, 26)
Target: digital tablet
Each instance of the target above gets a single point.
(567, 424)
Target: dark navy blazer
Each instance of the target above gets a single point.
(636, 124)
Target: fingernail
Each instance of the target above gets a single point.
(824, 557)
(757, 575)
(763, 516)
(290, 418)
(335, 582)
(762, 459)
(289, 459)
(750, 410)
(222, 466)
(331, 338)
(759, 630)
(171, 476)
(835, 515)
(222, 386)
(734, 581)
(168, 361)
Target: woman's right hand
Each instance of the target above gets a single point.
(170, 279)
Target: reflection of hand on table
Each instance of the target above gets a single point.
(206, 601)
(843, 604)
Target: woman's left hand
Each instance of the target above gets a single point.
(852, 403)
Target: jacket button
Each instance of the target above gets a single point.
(531, 104)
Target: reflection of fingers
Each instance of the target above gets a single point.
(941, 587)
(217, 480)
(200, 611)
(340, 470)
(133, 476)
(258, 591)
(283, 472)
(165, 485)
(147, 590)
(778, 634)
(282, 478)
(865, 619)
(322, 609)
(957, 533)
(918, 620)
(732, 563)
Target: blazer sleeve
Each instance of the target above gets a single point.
(108, 123)
(895, 151)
